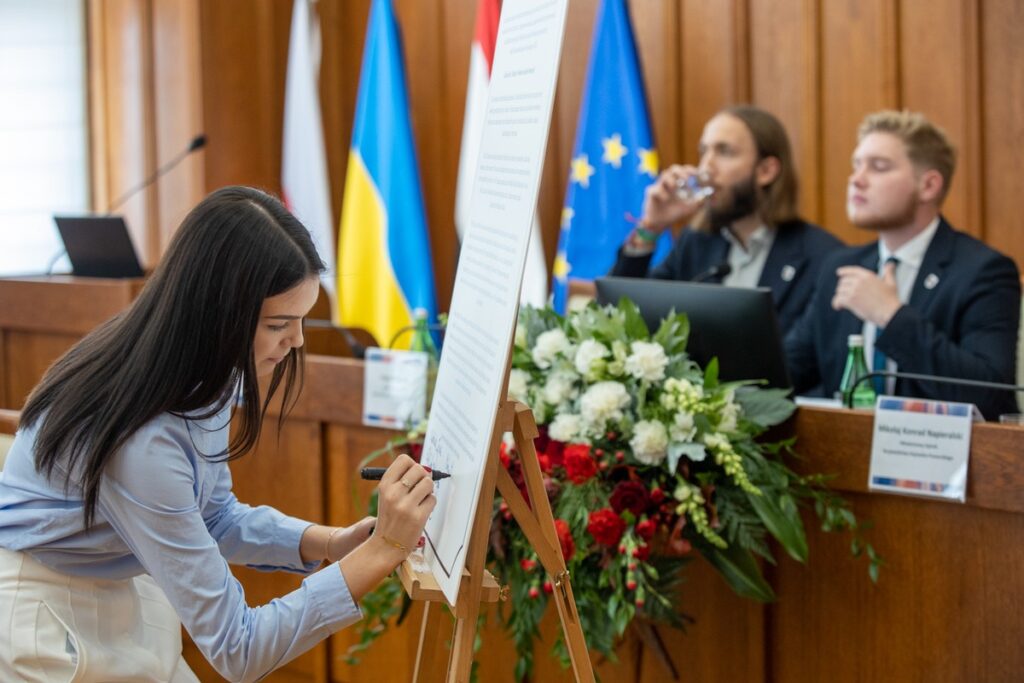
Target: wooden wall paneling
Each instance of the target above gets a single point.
(939, 74)
(178, 110)
(715, 66)
(654, 27)
(124, 150)
(784, 62)
(1002, 82)
(244, 55)
(859, 74)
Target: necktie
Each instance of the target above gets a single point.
(878, 362)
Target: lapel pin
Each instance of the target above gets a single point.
(788, 273)
(931, 281)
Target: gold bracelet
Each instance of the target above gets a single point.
(327, 543)
(393, 542)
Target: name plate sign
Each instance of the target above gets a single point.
(394, 388)
(921, 448)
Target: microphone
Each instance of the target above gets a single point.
(714, 272)
(977, 383)
(198, 142)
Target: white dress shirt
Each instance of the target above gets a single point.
(747, 262)
(910, 257)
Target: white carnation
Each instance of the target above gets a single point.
(565, 427)
(649, 442)
(590, 358)
(682, 429)
(518, 383)
(604, 401)
(559, 387)
(647, 361)
(549, 344)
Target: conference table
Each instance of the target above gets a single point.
(949, 604)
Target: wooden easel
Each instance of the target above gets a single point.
(478, 585)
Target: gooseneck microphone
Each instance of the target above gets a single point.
(198, 142)
(977, 383)
(716, 272)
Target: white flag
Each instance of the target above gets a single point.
(304, 180)
(535, 276)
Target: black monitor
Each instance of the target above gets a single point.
(98, 246)
(736, 325)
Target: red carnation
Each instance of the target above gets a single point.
(565, 539)
(554, 450)
(645, 529)
(606, 527)
(630, 495)
(579, 466)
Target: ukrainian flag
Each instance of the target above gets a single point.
(385, 269)
(613, 160)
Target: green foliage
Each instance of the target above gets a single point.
(648, 461)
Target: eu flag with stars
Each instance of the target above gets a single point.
(613, 159)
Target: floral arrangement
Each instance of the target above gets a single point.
(648, 460)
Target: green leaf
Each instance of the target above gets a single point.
(635, 326)
(738, 567)
(711, 374)
(765, 407)
(782, 519)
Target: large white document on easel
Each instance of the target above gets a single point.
(482, 318)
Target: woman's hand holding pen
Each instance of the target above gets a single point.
(405, 500)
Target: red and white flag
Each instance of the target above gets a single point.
(305, 187)
(535, 277)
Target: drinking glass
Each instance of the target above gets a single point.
(695, 188)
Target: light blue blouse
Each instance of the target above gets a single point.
(167, 511)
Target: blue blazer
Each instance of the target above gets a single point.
(961, 321)
(790, 270)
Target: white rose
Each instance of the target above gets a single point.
(589, 357)
(649, 442)
(565, 427)
(647, 362)
(604, 401)
(559, 387)
(518, 382)
(682, 429)
(549, 344)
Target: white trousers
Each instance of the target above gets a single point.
(56, 628)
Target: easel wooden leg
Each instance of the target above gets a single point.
(431, 643)
(537, 524)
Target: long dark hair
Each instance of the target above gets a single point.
(185, 346)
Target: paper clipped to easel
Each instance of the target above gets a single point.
(482, 318)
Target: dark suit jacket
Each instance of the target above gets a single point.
(961, 321)
(790, 270)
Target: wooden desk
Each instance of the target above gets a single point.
(949, 607)
(40, 319)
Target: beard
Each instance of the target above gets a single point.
(742, 202)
